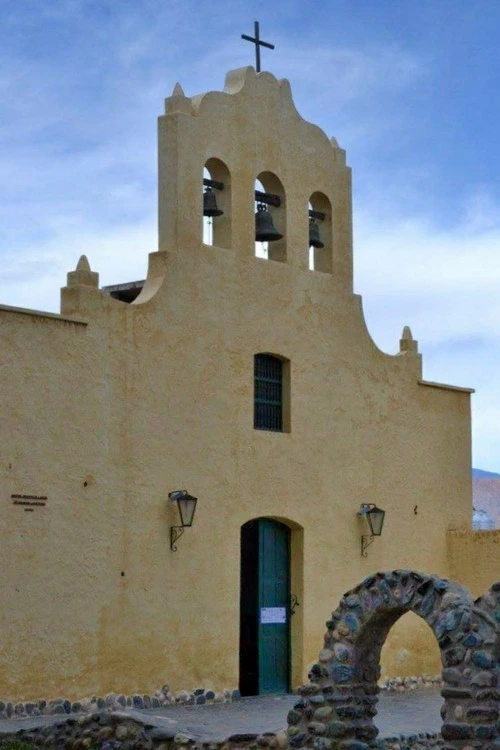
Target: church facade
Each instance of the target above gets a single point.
(252, 383)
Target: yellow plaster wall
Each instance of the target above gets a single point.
(158, 395)
(411, 649)
(475, 559)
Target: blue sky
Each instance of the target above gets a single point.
(411, 88)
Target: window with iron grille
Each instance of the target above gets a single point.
(268, 393)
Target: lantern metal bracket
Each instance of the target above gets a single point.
(175, 533)
(366, 540)
(319, 215)
(213, 184)
(294, 602)
(268, 198)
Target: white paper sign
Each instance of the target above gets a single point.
(272, 615)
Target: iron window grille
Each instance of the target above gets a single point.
(268, 393)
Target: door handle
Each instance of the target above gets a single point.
(294, 603)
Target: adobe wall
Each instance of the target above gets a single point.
(62, 480)
(474, 558)
(106, 419)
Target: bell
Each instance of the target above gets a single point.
(210, 207)
(314, 238)
(265, 231)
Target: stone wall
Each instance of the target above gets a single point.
(164, 697)
(119, 731)
(414, 682)
(161, 698)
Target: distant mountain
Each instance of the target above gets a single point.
(486, 497)
(482, 473)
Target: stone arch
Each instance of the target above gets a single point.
(338, 705)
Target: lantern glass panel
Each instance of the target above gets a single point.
(376, 520)
(187, 507)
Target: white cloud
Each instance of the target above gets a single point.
(118, 254)
(481, 211)
(445, 285)
(78, 168)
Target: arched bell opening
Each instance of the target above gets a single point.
(216, 204)
(270, 218)
(261, 246)
(320, 233)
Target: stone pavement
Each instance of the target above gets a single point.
(398, 713)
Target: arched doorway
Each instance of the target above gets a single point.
(265, 607)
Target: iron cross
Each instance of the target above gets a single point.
(258, 44)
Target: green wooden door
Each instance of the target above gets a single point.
(264, 608)
(274, 612)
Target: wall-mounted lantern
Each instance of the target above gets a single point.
(375, 519)
(187, 506)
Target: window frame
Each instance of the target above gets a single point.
(271, 393)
